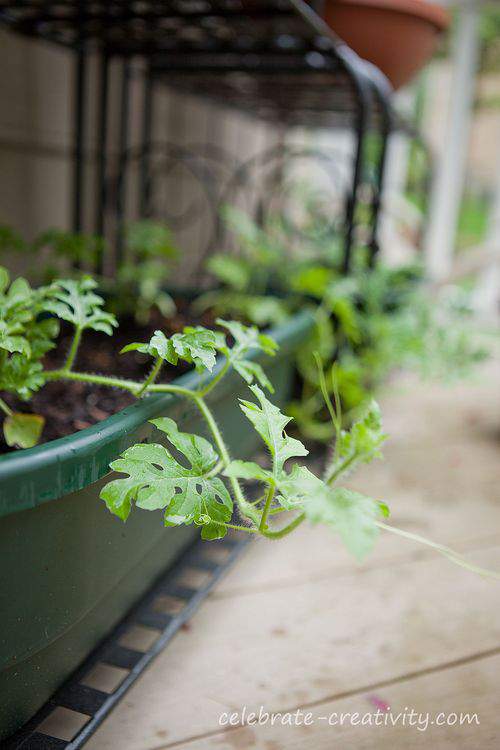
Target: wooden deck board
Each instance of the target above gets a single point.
(468, 689)
(286, 649)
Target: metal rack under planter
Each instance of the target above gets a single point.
(275, 59)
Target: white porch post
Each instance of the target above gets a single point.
(487, 294)
(450, 176)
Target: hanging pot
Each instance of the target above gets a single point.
(398, 36)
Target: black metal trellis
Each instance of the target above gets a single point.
(94, 705)
(275, 59)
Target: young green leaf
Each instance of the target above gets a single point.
(360, 444)
(23, 430)
(246, 339)
(156, 480)
(270, 423)
(312, 280)
(297, 488)
(198, 346)
(77, 303)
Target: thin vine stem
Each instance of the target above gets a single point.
(280, 533)
(335, 473)
(453, 556)
(84, 377)
(216, 379)
(236, 527)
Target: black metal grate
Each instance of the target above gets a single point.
(201, 46)
(93, 705)
(146, 26)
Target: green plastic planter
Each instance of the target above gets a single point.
(69, 570)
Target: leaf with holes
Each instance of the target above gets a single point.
(156, 480)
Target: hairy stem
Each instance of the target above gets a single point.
(127, 385)
(446, 551)
(73, 350)
(335, 473)
(152, 376)
(248, 529)
(5, 408)
(86, 377)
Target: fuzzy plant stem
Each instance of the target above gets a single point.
(155, 371)
(280, 533)
(336, 472)
(126, 385)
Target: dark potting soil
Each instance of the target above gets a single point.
(69, 406)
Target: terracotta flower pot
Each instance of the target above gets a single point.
(398, 36)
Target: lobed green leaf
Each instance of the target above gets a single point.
(270, 423)
(156, 480)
